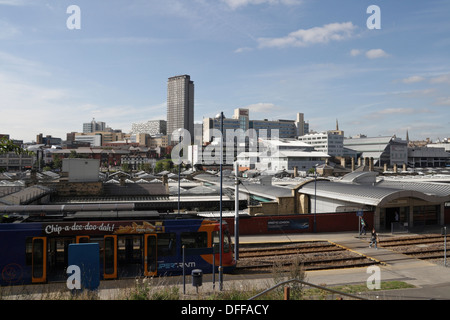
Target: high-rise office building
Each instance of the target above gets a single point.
(93, 126)
(180, 106)
(267, 128)
(151, 127)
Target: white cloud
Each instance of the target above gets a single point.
(441, 79)
(304, 37)
(261, 107)
(123, 40)
(396, 111)
(17, 65)
(370, 54)
(7, 30)
(413, 79)
(443, 101)
(12, 2)
(355, 52)
(29, 108)
(376, 53)
(234, 4)
(243, 49)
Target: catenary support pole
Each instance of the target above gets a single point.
(236, 216)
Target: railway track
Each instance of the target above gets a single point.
(292, 249)
(323, 255)
(311, 255)
(411, 240)
(427, 247)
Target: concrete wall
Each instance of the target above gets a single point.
(283, 205)
(65, 188)
(81, 170)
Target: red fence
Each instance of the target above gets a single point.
(301, 223)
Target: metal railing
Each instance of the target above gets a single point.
(308, 284)
(398, 227)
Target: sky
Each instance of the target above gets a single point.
(377, 73)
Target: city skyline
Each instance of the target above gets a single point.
(273, 57)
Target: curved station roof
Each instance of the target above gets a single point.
(362, 188)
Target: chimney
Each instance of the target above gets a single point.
(165, 182)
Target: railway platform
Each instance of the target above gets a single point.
(431, 280)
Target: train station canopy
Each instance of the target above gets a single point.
(363, 188)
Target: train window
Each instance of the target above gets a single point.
(129, 249)
(194, 239)
(82, 239)
(28, 251)
(109, 255)
(151, 255)
(38, 258)
(59, 251)
(216, 241)
(101, 245)
(226, 242)
(166, 244)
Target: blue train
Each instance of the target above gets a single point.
(37, 252)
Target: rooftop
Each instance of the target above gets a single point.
(361, 187)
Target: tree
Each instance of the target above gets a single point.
(73, 154)
(7, 145)
(125, 167)
(57, 162)
(163, 165)
(145, 167)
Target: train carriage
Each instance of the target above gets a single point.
(37, 252)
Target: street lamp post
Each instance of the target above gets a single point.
(315, 197)
(444, 233)
(236, 216)
(220, 204)
(179, 171)
(179, 174)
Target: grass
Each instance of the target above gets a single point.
(144, 290)
(306, 293)
(357, 289)
(160, 289)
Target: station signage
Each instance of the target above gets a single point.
(288, 224)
